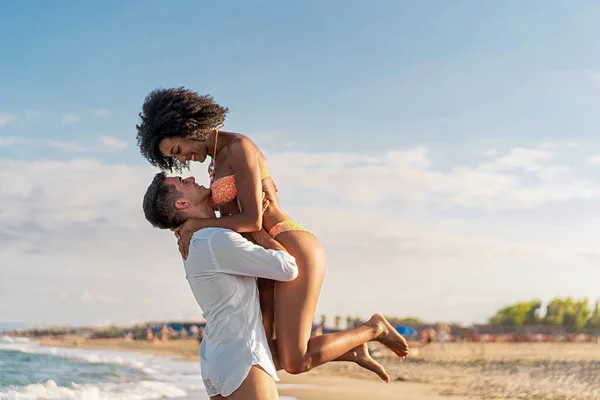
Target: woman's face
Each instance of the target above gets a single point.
(183, 149)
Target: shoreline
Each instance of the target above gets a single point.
(322, 383)
(452, 371)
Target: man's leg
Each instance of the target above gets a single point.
(258, 385)
(218, 398)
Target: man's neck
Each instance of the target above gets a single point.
(201, 211)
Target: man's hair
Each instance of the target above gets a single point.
(176, 112)
(159, 204)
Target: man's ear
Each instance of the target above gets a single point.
(182, 204)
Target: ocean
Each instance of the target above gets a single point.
(32, 372)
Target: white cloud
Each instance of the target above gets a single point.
(547, 145)
(573, 145)
(6, 118)
(594, 160)
(409, 176)
(595, 76)
(490, 153)
(113, 143)
(58, 144)
(101, 112)
(554, 173)
(7, 141)
(79, 223)
(88, 297)
(520, 158)
(66, 145)
(69, 119)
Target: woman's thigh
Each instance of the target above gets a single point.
(296, 301)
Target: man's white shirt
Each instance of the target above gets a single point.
(221, 268)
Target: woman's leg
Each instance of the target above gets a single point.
(295, 304)
(358, 355)
(296, 301)
(266, 294)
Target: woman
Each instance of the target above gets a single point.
(178, 126)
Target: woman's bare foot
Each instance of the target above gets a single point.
(388, 336)
(363, 358)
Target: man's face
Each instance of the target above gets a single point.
(192, 193)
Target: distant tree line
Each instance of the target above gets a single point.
(559, 312)
(355, 321)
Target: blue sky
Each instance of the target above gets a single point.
(341, 75)
(465, 126)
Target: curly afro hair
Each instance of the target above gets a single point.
(176, 112)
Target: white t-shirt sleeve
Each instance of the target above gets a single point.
(238, 256)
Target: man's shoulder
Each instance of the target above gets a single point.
(206, 233)
(216, 236)
(216, 244)
(207, 243)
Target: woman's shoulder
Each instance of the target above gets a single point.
(238, 138)
(242, 147)
(241, 143)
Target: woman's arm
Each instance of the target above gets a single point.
(246, 170)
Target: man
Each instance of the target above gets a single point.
(220, 268)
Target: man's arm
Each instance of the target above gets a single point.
(238, 256)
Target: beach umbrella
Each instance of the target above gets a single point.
(406, 330)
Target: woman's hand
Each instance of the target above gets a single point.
(262, 238)
(184, 233)
(265, 240)
(265, 202)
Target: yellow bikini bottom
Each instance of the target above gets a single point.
(285, 226)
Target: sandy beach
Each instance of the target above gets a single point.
(335, 381)
(547, 371)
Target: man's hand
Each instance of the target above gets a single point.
(184, 233)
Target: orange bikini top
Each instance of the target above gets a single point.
(223, 189)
